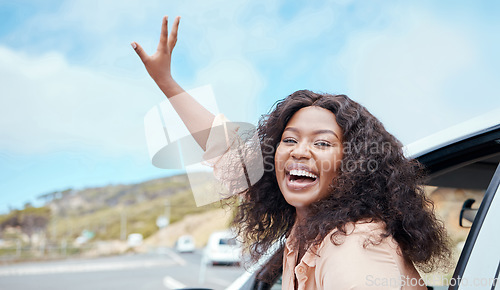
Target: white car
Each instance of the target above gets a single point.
(463, 167)
(222, 248)
(185, 244)
(134, 240)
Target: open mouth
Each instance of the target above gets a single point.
(300, 179)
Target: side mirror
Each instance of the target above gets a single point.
(467, 214)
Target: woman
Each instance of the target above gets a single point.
(336, 185)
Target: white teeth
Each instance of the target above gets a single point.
(302, 173)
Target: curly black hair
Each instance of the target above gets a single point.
(376, 182)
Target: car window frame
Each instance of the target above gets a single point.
(472, 238)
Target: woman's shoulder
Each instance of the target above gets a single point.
(364, 238)
(357, 257)
(364, 253)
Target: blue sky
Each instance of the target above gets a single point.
(73, 93)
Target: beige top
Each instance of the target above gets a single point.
(354, 264)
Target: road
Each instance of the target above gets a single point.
(160, 270)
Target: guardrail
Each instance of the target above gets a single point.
(22, 252)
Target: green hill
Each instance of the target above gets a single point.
(111, 212)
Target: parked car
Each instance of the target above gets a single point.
(134, 240)
(463, 168)
(185, 244)
(222, 248)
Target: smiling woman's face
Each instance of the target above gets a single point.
(308, 156)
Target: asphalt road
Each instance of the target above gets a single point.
(163, 269)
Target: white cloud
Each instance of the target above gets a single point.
(48, 105)
(221, 45)
(403, 73)
(236, 84)
(415, 61)
(234, 48)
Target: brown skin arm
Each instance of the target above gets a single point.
(197, 119)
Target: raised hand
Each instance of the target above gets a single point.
(197, 119)
(158, 64)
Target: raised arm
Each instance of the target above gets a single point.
(197, 119)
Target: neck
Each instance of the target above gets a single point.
(300, 216)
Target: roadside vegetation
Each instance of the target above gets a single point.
(71, 221)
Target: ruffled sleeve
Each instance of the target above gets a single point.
(233, 150)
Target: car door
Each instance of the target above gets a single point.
(479, 263)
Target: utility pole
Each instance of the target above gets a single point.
(167, 211)
(54, 229)
(123, 225)
(164, 220)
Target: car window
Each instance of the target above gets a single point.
(448, 202)
(451, 190)
(229, 242)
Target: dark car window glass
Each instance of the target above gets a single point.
(229, 242)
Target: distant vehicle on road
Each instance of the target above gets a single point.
(134, 240)
(185, 244)
(222, 248)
